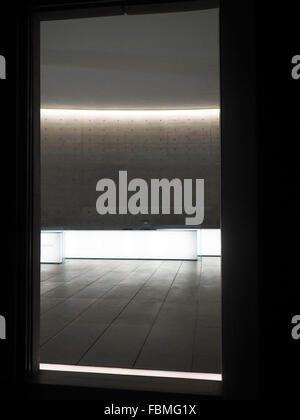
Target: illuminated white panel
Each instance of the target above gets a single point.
(209, 242)
(132, 114)
(51, 247)
(136, 244)
(132, 372)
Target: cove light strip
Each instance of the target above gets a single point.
(127, 114)
(132, 372)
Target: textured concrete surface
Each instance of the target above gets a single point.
(79, 149)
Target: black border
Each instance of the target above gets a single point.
(239, 192)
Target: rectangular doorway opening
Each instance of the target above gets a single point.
(130, 195)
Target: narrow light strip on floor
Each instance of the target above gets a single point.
(131, 113)
(132, 372)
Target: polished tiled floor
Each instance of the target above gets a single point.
(136, 314)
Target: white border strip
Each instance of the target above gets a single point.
(132, 113)
(132, 372)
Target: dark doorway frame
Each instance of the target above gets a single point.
(239, 224)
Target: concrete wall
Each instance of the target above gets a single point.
(78, 149)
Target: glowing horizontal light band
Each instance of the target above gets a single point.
(90, 244)
(131, 244)
(127, 114)
(132, 372)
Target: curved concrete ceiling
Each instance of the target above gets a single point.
(156, 61)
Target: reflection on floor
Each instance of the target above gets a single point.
(134, 314)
